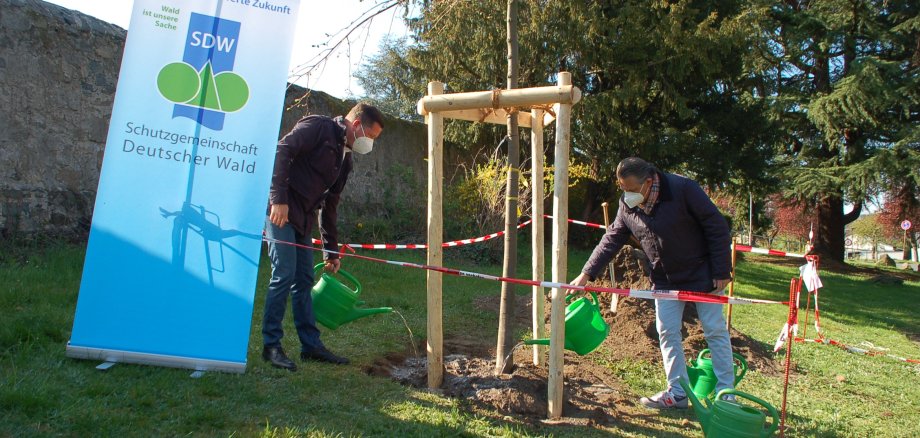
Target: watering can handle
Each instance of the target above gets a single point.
(349, 277)
(569, 298)
(597, 303)
(742, 370)
(773, 426)
(703, 352)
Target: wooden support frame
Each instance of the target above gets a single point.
(498, 117)
(435, 347)
(538, 261)
(560, 251)
(487, 106)
(495, 99)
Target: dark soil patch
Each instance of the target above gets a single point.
(593, 395)
(632, 330)
(633, 336)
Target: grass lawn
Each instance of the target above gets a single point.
(43, 393)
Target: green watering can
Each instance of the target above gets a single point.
(334, 303)
(585, 328)
(721, 418)
(703, 378)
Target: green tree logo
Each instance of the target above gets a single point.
(180, 83)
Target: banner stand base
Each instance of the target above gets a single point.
(104, 366)
(111, 357)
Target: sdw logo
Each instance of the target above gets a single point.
(203, 86)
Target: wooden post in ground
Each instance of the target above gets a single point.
(435, 346)
(560, 248)
(731, 290)
(536, 228)
(614, 298)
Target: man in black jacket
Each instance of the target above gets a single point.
(312, 164)
(687, 242)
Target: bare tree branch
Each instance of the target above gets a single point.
(342, 38)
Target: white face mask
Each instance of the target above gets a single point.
(632, 199)
(363, 145)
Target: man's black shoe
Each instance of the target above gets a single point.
(275, 355)
(323, 355)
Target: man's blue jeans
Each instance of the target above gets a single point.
(292, 274)
(669, 319)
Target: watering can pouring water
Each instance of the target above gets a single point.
(585, 328)
(334, 303)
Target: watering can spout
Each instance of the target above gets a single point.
(703, 411)
(335, 303)
(361, 313)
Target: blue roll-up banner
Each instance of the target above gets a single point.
(170, 272)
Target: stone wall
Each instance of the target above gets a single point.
(58, 71)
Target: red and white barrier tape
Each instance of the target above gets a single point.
(461, 242)
(583, 223)
(773, 252)
(790, 329)
(453, 243)
(676, 295)
(425, 245)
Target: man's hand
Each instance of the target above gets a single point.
(279, 214)
(333, 265)
(581, 280)
(719, 285)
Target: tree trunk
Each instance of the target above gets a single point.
(509, 268)
(829, 230)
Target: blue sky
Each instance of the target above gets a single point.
(316, 20)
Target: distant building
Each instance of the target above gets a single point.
(860, 248)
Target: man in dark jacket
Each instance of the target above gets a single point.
(312, 164)
(687, 243)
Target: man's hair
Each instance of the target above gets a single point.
(635, 167)
(368, 114)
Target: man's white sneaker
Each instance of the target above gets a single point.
(665, 400)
